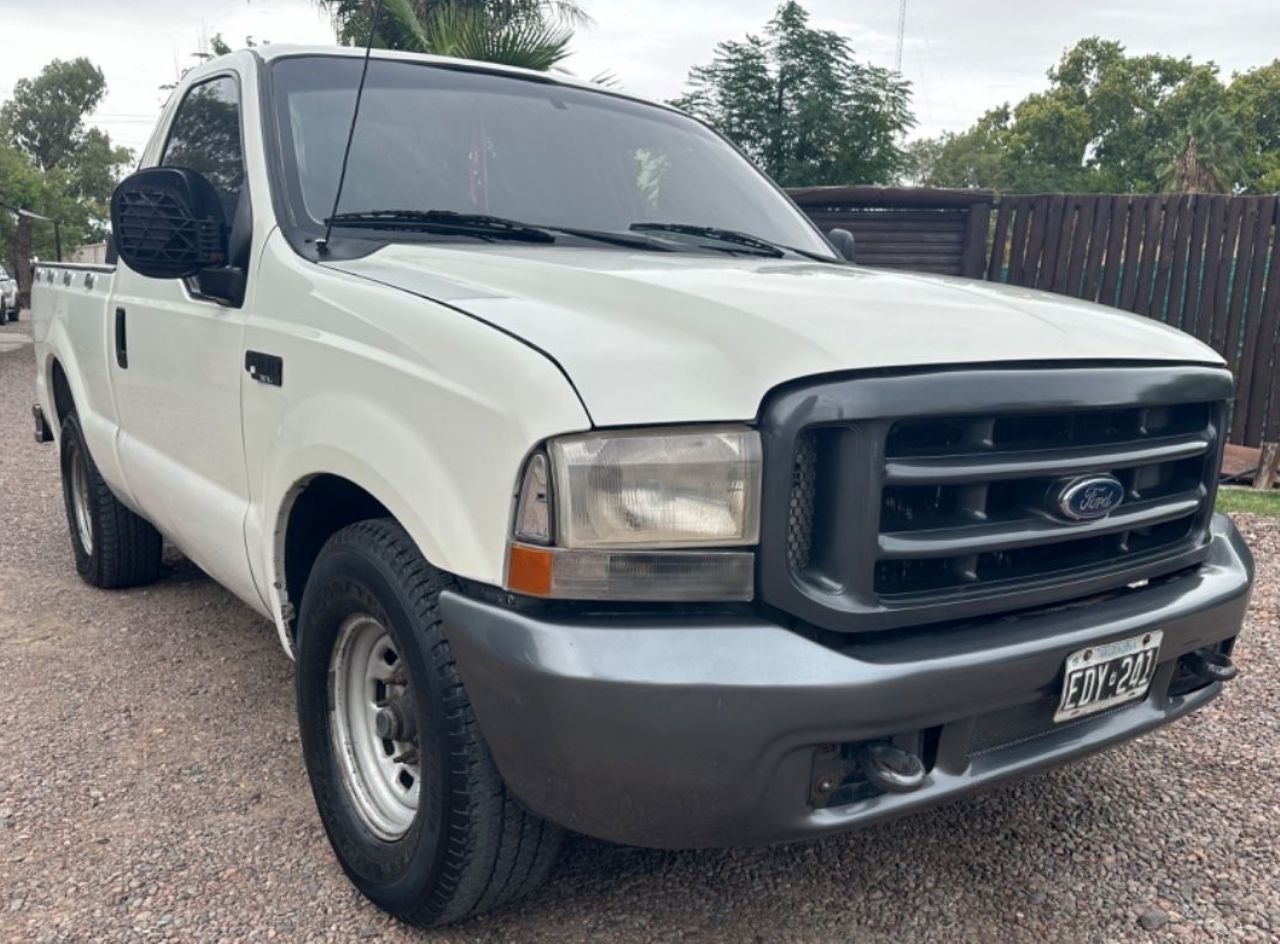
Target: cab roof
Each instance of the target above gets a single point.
(272, 52)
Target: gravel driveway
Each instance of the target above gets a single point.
(152, 787)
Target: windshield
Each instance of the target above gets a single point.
(434, 138)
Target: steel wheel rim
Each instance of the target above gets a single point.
(80, 498)
(382, 776)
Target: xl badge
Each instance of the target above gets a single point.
(1089, 498)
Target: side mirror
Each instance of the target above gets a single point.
(167, 223)
(844, 243)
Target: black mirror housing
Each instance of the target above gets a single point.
(844, 243)
(167, 223)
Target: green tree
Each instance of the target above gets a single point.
(802, 107)
(1253, 99)
(93, 170)
(533, 34)
(21, 185)
(1108, 121)
(50, 194)
(1208, 157)
(1047, 145)
(45, 117)
(53, 164)
(1132, 107)
(973, 158)
(921, 157)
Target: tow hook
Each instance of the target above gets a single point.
(1212, 666)
(890, 768)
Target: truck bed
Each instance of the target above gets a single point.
(69, 308)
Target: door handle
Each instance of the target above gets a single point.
(122, 340)
(265, 368)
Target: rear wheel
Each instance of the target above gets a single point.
(113, 547)
(408, 792)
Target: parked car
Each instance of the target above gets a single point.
(8, 297)
(590, 488)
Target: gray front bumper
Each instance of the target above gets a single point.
(681, 733)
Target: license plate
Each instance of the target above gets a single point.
(1102, 677)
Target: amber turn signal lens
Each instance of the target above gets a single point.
(634, 576)
(529, 570)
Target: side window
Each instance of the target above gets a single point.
(205, 137)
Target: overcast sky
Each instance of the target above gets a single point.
(963, 56)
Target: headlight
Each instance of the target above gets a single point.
(675, 489)
(619, 516)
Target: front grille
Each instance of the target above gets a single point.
(969, 501)
(898, 511)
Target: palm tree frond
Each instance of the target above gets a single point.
(1208, 156)
(401, 28)
(533, 34)
(606, 79)
(566, 12)
(560, 12)
(468, 33)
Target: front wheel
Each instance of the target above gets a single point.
(407, 790)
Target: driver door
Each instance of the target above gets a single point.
(177, 379)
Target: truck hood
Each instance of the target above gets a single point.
(649, 337)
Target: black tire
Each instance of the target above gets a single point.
(471, 847)
(124, 550)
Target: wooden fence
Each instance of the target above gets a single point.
(1206, 264)
(939, 231)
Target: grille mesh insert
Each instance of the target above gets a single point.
(804, 474)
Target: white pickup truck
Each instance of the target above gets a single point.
(591, 488)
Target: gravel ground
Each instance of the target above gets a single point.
(151, 787)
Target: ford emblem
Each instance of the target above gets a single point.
(1089, 498)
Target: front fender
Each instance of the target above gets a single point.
(428, 410)
(355, 438)
(457, 513)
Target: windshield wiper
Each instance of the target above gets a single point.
(483, 226)
(615, 239)
(747, 241)
(446, 222)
